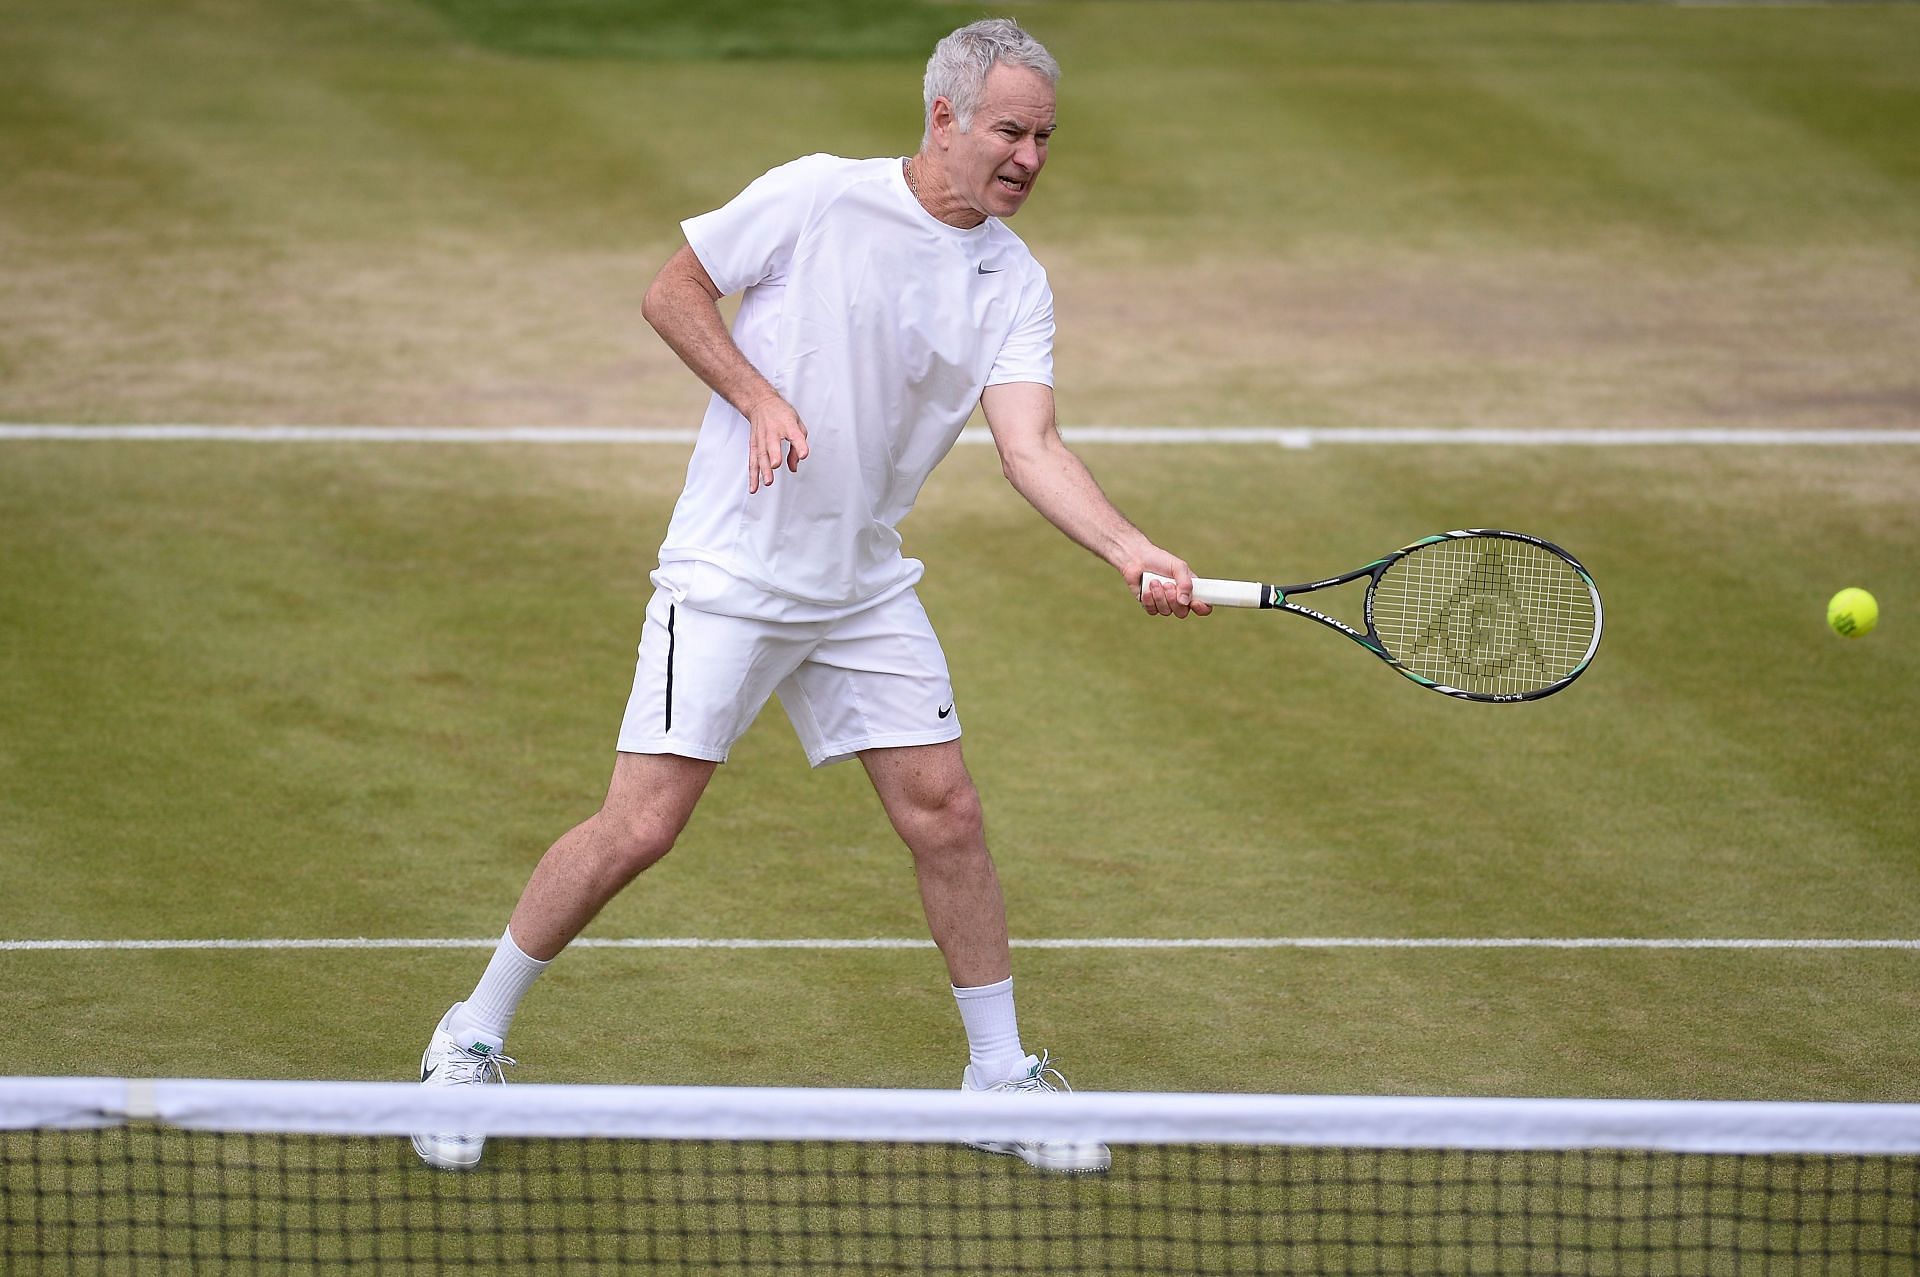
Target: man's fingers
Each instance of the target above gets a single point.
(772, 446)
(763, 460)
(1163, 597)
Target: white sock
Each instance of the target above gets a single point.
(993, 1031)
(489, 1008)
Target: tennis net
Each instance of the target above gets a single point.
(112, 1176)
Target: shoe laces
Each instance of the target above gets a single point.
(463, 1065)
(1041, 1077)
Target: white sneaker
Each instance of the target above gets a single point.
(1069, 1157)
(449, 1062)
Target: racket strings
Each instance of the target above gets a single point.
(1488, 615)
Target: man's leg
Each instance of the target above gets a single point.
(935, 809)
(647, 805)
(878, 687)
(681, 718)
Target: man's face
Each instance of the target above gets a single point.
(992, 166)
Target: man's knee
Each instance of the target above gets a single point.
(944, 820)
(633, 842)
(647, 805)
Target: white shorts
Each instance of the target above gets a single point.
(875, 679)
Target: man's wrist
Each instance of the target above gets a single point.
(751, 403)
(1127, 548)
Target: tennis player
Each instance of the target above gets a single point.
(880, 300)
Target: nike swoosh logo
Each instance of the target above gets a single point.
(948, 710)
(982, 268)
(428, 1073)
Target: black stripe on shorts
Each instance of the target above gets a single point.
(669, 726)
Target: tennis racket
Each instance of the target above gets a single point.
(1480, 614)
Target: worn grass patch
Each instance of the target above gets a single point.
(284, 210)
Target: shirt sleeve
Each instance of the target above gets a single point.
(1027, 354)
(750, 239)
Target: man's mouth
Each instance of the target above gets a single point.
(1017, 185)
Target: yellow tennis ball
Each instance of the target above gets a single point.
(1853, 613)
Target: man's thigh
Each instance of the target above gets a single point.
(656, 793)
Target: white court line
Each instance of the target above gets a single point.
(1274, 436)
(1116, 942)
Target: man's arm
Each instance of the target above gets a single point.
(1057, 483)
(682, 304)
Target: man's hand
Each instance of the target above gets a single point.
(682, 305)
(1159, 599)
(773, 422)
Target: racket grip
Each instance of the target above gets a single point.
(1212, 592)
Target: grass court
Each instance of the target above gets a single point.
(346, 690)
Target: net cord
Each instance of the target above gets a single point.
(789, 1113)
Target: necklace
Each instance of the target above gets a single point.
(912, 186)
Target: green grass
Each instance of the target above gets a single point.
(659, 29)
(356, 690)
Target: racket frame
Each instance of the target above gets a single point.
(1280, 598)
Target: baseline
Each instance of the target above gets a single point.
(883, 943)
(1298, 437)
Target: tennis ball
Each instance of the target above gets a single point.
(1853, 613)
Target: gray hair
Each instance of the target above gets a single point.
(958, 69)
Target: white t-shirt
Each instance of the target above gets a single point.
(881, 325)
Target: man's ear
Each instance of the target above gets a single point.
(942, 124)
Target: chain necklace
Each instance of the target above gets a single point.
(912, 186)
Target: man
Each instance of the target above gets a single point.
(881, 299)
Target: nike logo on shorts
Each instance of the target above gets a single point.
(948, 710)
(982, 269)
